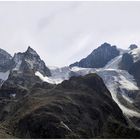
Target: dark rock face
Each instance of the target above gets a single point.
(128, 63)
(5, 61)
(29, 61)
(78, 108)
(99, 57)
(135, 71)
(132, 67)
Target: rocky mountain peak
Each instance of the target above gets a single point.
(99, 57)
(105, 45)
(31, 51)
(133, 46)
(30, 61)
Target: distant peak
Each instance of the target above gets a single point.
(133, 46)
(105, 44)
(30, 49)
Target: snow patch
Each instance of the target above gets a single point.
(13, 95)
(4, 75)
(47, 79)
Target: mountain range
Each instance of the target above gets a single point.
(97, 97)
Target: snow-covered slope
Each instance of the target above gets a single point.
(51, 80)
(58, 75)
(122, 86)
(114, 63)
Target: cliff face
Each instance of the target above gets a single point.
(5, 60)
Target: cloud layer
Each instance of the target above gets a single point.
(65, 32)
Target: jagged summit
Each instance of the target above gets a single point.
(99, 57)
(29, 48)
(30, 61)
(31, 51)
(107, 45)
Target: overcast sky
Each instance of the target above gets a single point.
(65, 32)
